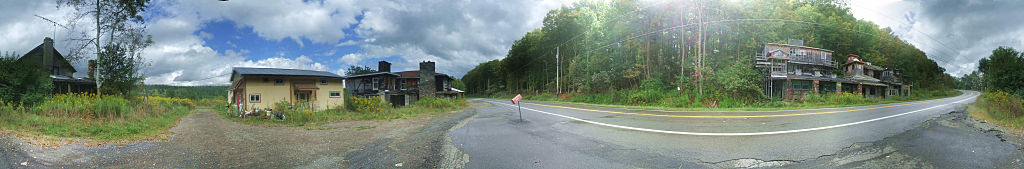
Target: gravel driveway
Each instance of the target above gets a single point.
(204, 140)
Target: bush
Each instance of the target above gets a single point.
(433, 102)
(1003, 105)
(23, 82)
(84, 106)
(369, 105)
(834, 99)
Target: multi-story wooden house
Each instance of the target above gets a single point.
(793, 70)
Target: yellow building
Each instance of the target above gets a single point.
(260, 88)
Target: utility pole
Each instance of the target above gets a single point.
(558, 72)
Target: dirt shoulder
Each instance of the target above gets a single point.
(205, 140)
(953, 140)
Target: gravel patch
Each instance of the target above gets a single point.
(204, 140)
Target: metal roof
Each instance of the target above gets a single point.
(282, 72)
(372, 74)
(808, 47)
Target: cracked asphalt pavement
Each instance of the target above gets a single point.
(922, 134)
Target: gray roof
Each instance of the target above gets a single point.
(373, 74)
(282, 72)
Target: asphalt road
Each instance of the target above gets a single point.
(552, 135)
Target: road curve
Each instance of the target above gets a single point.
(553, 135)
(766, 114)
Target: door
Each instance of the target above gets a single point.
(302, 99)
(398, 100)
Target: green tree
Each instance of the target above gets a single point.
(358, 70)
(22, 82)
(1002, 71)
(122, 24)
(644, 45)
(971, 81)
(118, 71)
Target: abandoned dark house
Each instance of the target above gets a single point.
(49, 59)
(793, 70)
(402, 88)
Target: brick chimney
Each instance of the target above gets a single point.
(383, 66)
(426, 84)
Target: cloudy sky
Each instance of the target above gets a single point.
(198, 41)
(954, 33)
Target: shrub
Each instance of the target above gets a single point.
(1003, 105)
(834, 99)
(23, 82)
(84, 105)
(173, 101)
(433, 102)
(368, 105)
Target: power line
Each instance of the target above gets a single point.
(948, 56)
(211, 77)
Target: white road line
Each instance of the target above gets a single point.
(731, 134)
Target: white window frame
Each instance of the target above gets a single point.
(254, 98)
(323, 81)
(822, 55)
(375, 83)
(332, 94)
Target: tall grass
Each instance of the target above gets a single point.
(104, 118)
(1001, 108)
(1002, 105)
(356, 109)
(685, 99)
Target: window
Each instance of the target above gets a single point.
(323, 81)
(335, 94)
(823, 55)
(801, 85)
(266, 80)
(375, 83)
(254, 98)
(278, 81)
(402, 84)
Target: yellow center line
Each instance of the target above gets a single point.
(748, 116)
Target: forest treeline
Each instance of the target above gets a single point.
(703, 48)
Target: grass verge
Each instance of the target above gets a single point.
(91, 118)
(999, 108)
(687, 103)
(296, 118)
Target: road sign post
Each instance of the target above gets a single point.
(515, 100)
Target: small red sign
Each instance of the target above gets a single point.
(515, 100)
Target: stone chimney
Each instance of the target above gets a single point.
(426, 84)
(47, 59)
(383, 66)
